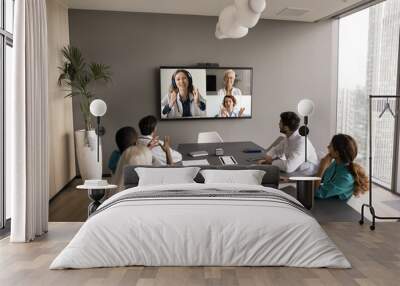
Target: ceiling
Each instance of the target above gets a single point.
(314, 9)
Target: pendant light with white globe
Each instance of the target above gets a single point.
(235, 20)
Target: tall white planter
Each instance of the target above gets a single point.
(86, 152)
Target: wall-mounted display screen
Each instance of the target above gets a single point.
(191, 92)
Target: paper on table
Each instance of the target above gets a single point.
(195, 162)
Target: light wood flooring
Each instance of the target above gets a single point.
(374, 255)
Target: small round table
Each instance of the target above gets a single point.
(305, 190)
(96, 194)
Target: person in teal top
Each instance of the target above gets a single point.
(113, 161)
(341, 177)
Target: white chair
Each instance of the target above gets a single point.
(209, 137)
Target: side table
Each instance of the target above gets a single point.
(305, 190)
(96, 195)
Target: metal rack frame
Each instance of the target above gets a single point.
(369, 205)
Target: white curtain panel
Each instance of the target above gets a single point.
(28, 124)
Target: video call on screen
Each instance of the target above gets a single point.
(188, 93)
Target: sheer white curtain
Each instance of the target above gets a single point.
(28, 124)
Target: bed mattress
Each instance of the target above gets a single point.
(201, 225)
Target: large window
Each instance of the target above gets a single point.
(368, 53)
(6, 69)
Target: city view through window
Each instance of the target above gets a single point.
(368, 53)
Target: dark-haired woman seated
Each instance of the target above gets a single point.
(341, 177)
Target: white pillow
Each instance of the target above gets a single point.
(166, 176)
(248, 177)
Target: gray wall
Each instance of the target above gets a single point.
(291, 61)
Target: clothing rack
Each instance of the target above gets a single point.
(369, 205)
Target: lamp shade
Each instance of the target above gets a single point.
(218, 33)
(227, 23)
(258, 6)
(248, 12)
(98, 107)
(305, 107)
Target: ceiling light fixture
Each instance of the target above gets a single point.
(235, 20)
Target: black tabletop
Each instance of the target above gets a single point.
(235, 149)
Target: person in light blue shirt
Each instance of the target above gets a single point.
(341, 177)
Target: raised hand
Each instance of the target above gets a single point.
(172, 98)
(167, 144)
(154, 142)
(241, 111)
(223, 111)
(326, 160)
(196, 95)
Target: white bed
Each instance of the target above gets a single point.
(184, 230)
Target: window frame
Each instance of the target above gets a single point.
(395, 172)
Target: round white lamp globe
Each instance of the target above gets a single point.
(227, 24)
(248, 12)
(257, 5)
(305, 107)
(98, 107)
(218, 33)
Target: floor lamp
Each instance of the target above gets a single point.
(98, 108)
(305, 108)
(305, 185)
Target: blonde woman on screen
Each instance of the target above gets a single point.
(229, 81)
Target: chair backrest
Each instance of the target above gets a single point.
(209, 137)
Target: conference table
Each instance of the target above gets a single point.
(304, 185)
(235, 149)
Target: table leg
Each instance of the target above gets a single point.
(96, 196)
(305, 193)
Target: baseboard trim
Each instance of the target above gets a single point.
(63, 188)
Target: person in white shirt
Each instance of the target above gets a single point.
(148, 129)
(229, 81)
(289, 153)
(183, 99)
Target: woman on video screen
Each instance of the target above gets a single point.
(183, 99)
(229, 81)
(228, 107)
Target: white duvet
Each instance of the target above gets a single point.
(200, 231)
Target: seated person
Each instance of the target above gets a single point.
(124, 138)
(135, 154)
(229, 81)
(183, 100)
(341, 177)
(289, 153)
(228, 107)
(148, 129)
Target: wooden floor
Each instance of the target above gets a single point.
(374, 255)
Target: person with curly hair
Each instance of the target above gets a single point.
(341, 176)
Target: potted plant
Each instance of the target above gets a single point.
(79, 78)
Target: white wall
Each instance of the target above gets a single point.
(62, 150)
